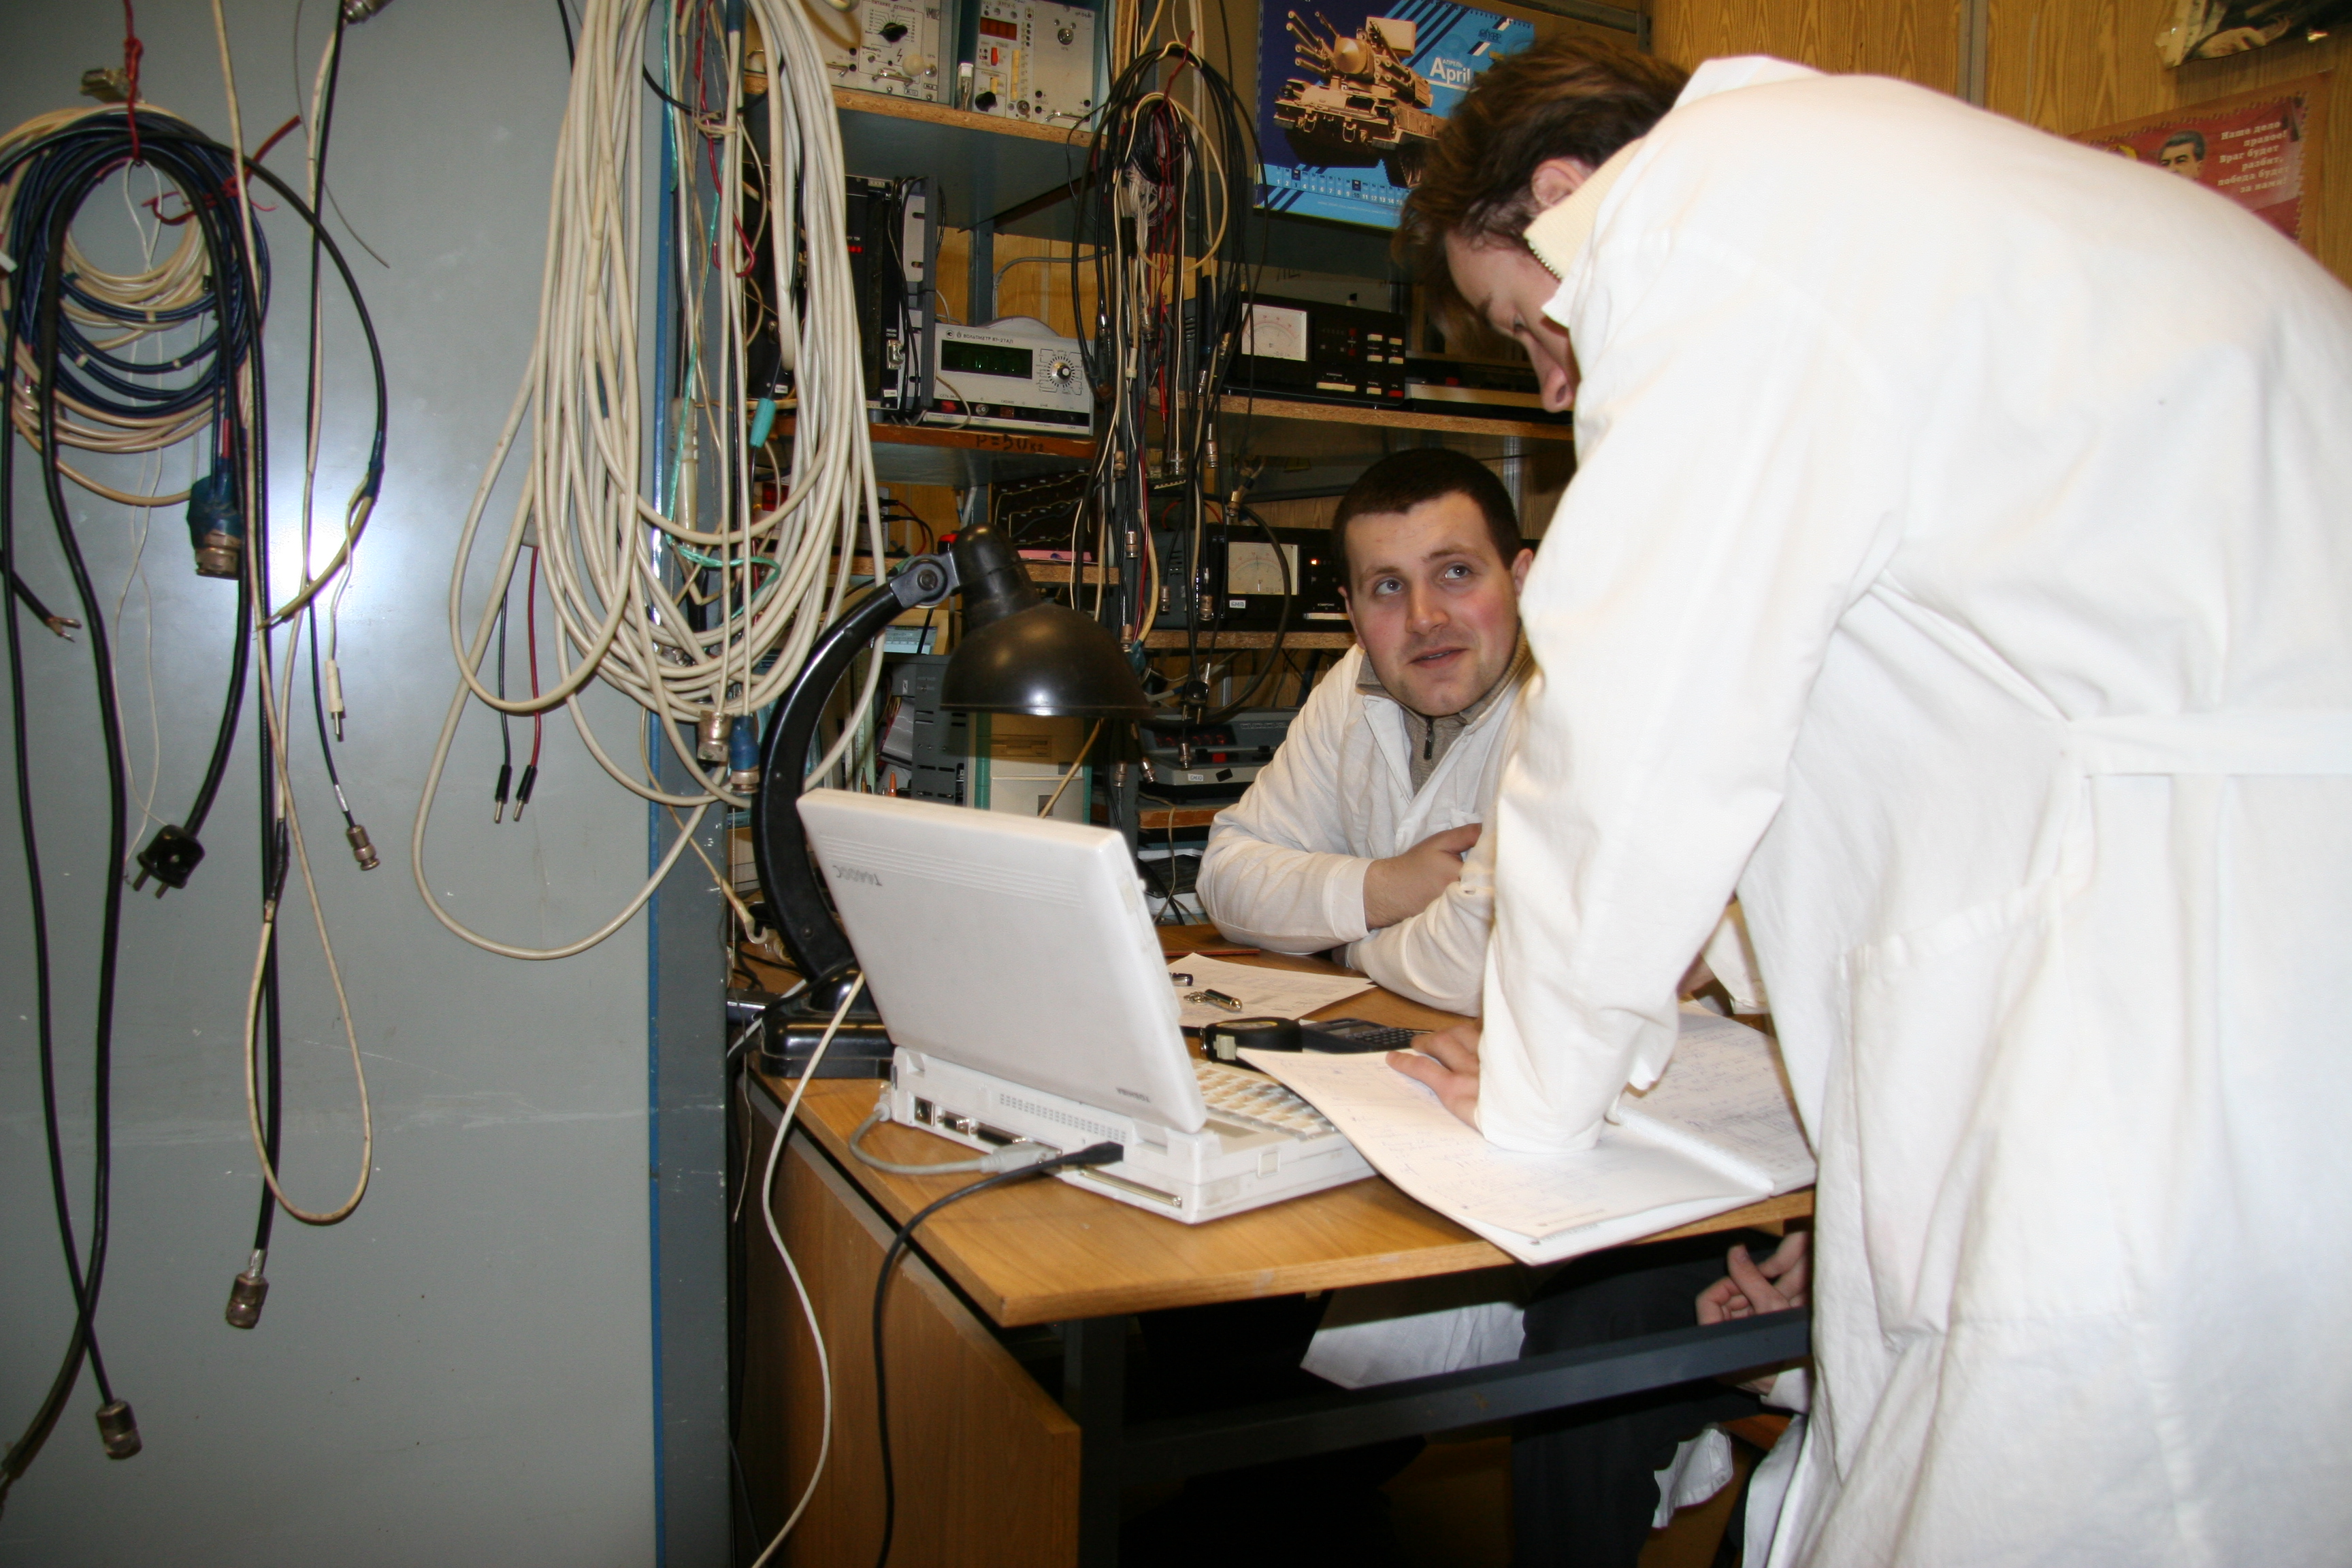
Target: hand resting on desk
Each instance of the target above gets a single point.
(1447, 1061)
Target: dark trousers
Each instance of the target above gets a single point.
(1582, 1484)
(1294, 1513)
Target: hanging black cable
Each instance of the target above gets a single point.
(119, 1430)
(59, 172)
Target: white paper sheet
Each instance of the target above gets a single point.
(1399, 1125)
(1725, 1090)
(1263, 993)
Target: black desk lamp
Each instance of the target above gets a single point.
(1019, 654)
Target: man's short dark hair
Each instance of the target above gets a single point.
(2192, 140)
(1403, 481)
(1570, 96)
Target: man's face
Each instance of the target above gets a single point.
(1506, 284)
(2181, 159)
(1437, 609)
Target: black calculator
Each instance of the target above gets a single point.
(1355, 1035)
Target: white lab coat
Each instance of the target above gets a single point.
(1961, 552)
(1285, 865)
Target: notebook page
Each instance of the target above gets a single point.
(1722, 1090)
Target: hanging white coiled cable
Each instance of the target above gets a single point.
(781, 574)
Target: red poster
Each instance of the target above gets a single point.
(2259, 149)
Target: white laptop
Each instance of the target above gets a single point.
(1017, 971)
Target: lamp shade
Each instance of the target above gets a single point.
(1047, 660)
(1020, 653)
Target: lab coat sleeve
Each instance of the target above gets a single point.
(1438, 957)
(1276, 873)
(1736, 489)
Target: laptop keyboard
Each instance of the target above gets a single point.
(1256, 1100)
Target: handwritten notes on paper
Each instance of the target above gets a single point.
(1263, 993)
(1716, 1131)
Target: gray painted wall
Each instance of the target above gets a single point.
(463, 1373)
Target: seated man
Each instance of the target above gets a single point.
(1355, 834)
(1363, 832)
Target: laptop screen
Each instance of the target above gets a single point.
(1008, 945)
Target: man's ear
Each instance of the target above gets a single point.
(1521, 564)
(1556, 180)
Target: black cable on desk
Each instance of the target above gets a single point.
(1093, 1154)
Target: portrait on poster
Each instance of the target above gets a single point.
(2259, 149)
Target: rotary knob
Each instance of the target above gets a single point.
(893, 31)
(1062, 371)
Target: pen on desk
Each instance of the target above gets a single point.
(1226, 952)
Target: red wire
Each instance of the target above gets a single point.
(131, 49)
(530, 637)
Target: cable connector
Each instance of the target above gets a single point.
(498, 794)
(743, 755)
(118, 1428)
(246, 1292)
(335, 696)
(216, 524)
(711, 730)
(107, 84)
(523, 790)
(362, 851)
(169, 858)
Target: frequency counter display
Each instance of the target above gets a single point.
(985, 359)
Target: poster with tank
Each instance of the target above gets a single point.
(1351, 93)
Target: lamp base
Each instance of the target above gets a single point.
(788, 1035)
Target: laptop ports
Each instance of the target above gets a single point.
(922, 1112)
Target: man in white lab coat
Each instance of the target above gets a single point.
(1356, 834)
(1984, 613)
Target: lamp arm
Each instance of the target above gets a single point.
(804, 915)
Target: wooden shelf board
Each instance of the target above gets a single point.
(983, 165)
(1391, 418)
(1253, 640)
(1159, 819)
(939, 454)
(1059, 572)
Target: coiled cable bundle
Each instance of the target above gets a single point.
(109, 398)
(702, 621)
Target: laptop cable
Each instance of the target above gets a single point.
(1093, 1154)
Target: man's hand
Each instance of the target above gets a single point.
(1774, 1285)
(1447, 1061)
(1401, 886)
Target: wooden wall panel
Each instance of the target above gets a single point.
(2069, 66)
(1917, 40)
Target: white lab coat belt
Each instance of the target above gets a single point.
(2277, 741)
(2242, 743)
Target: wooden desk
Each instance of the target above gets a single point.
(1000, 1460)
